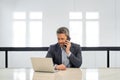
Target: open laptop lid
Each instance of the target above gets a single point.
(42, 64)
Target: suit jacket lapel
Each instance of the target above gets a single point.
(59, 55)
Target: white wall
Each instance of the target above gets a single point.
(23, 59)
(56, 14)
(2, 59)
(92, 59)
(115, 58)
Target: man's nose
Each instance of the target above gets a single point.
(59, 41)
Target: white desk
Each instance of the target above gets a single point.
(69, 74)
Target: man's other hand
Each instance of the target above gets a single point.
(60, 67)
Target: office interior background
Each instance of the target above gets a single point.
(33, 23)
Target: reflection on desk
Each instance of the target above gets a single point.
(69, 74)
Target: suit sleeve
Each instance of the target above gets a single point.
(76, 58)
(49, 53)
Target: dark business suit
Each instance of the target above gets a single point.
(75, 58)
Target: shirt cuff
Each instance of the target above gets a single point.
(55, 66)
(68, 55)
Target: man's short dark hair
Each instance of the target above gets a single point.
(63, 30)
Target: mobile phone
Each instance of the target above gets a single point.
(64, 47)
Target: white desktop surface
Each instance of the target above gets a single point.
(69, 74)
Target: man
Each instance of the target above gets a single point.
(65, 53)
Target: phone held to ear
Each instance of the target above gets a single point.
(64, 47)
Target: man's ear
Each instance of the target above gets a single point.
(68, 38)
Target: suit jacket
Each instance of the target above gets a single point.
(75, 58)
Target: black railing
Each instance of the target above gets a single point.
(107, 49)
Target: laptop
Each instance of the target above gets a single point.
(42, 64)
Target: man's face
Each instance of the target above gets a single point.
(61, 39)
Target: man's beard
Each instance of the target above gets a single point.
(61, 44)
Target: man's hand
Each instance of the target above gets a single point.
(60, 67)
(68, 45)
